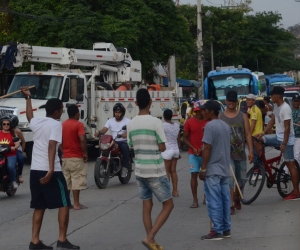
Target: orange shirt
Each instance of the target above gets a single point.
(71, 129)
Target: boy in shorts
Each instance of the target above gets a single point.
(146, 136)
(74, 150)
(47, 183)
(192, 135)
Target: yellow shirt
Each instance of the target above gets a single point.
(255, 114)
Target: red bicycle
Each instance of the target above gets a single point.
(257, 175)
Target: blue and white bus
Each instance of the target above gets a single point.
(278, 80)
(221, 80)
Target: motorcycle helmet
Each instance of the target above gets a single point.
(14, 121)
(119, 107)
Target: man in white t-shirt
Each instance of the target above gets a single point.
(115, 125)
(284, 137)
(47, 183)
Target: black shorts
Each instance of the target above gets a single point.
(52, 195)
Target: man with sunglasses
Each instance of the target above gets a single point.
(6, 137)
(296, 121)
(240, 131)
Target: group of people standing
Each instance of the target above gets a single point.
(216, 141)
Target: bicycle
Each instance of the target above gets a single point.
(256, 176)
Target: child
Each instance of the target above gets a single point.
(146, 135)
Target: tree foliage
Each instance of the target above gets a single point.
(151, 30)
(257, 41)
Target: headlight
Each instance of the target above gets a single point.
(104, 146)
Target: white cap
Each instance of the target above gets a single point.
(251, 96)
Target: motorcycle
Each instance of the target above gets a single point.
(5, 185)
(109, 163)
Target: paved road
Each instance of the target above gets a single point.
(113, 220)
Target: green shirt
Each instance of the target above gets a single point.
(296, 120)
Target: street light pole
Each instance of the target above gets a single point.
(199, 49)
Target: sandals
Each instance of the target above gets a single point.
(194, 205)
(232, 210)
(237, 205)
(150, 246)
(21, 180)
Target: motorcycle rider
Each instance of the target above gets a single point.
(115, 124)
(8, 123)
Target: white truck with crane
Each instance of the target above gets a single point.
(95, 80)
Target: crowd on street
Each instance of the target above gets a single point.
(216, 156)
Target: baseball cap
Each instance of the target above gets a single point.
(251, 96)
(231, 96)
(212, 105)
(296, 97)
(277, 91)
(198, 104)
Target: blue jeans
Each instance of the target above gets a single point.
(216, 189)
(11, 166)
(20, 160)
(125, 153)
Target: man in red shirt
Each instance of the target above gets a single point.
(192, 134)
(74, 150)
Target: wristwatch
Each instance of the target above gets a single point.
(203, 170)
(28, 97)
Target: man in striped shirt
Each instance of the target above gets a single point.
(146, 136)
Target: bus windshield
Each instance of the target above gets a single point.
(46, 86)
(240, 83)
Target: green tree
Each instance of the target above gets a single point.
(151, 30)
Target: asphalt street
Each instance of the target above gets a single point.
(113, 220)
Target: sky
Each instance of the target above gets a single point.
(289, 9)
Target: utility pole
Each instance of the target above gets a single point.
(199, 50)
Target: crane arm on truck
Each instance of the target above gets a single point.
(118, 63)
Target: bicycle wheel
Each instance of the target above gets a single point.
(284, 180)
(255, 180)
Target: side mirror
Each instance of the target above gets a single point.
(79, 98)
(124, 127)
(80, 86)
(93, 125)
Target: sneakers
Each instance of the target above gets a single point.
(292, 197)
(212, 236)
(124, 172)
(65, 245)
(227, 234)
(15, 185)
(39, 246)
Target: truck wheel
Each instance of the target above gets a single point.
(28, 150)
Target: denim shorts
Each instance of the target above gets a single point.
(195, 163)
(271, 140)
(159, 186)
(240, 170)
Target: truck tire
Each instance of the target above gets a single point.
(28, 150)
